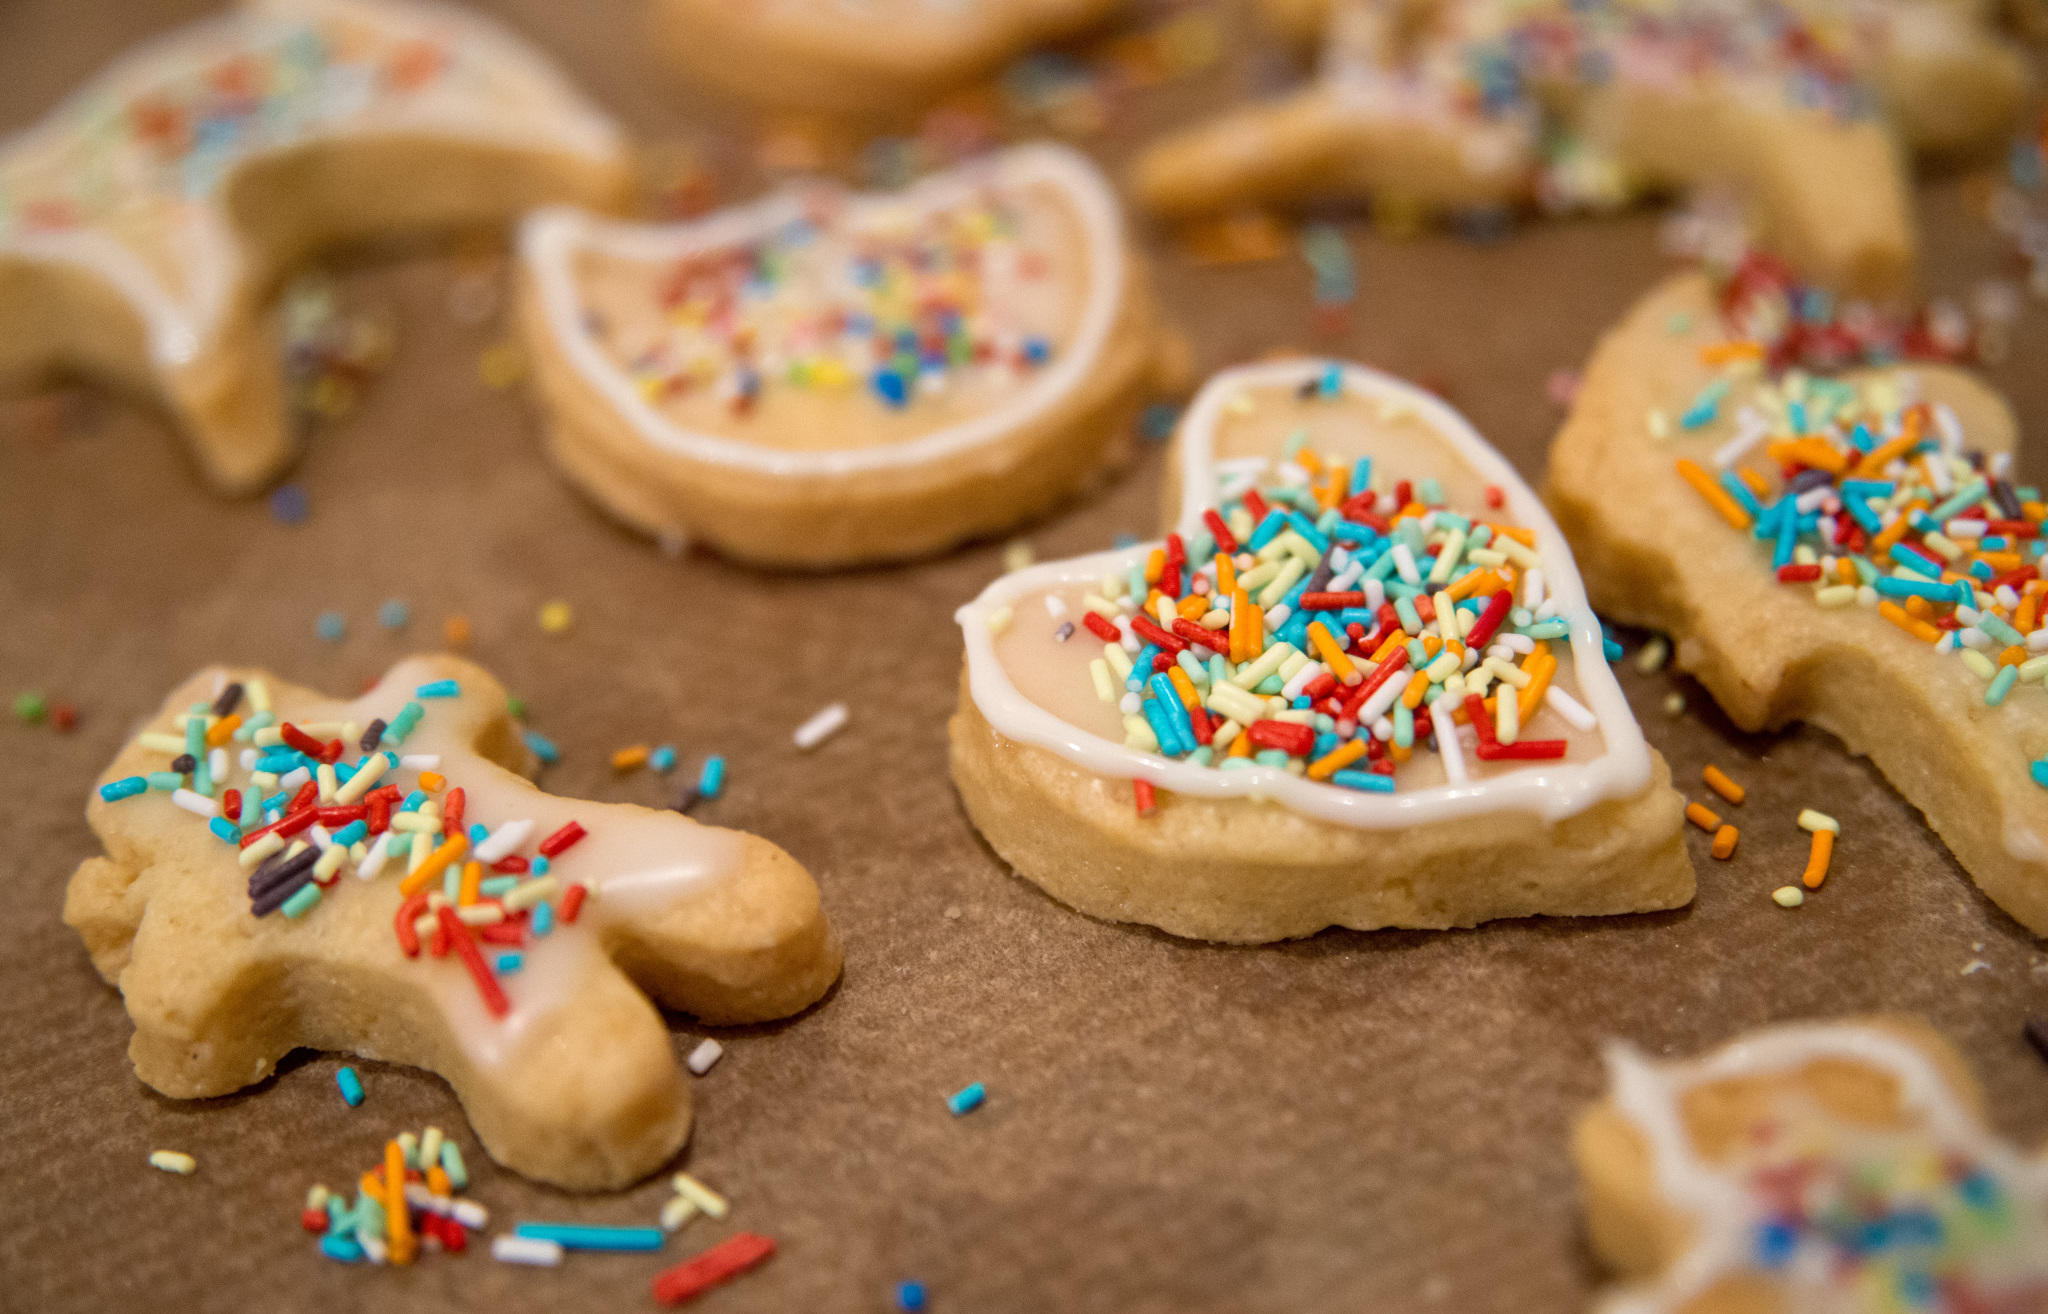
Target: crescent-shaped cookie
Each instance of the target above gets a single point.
(1319, 752)
(824, 378)
(375, 877)
(144, 222)
(1915, 640)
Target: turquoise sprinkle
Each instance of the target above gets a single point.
(580, 1236)
(543, 918)
(438, 689)
(509, 961)
(2039, 771)
(1554, 628)
(331, 626)
(394, 614)
(164, 781)
(351, 1085)
(300, 903)
(1404, 725)
(230, 833)
(540, 864)
(967, 1099)
(543, 747)
(711, 782)
(353, 833)
(343, 1248)
(493, 887)
(1372, 782)
(451, 1163)
(1999, 630)
(115, 790)
(662, 759)
(1611, 649)
(2001, 684)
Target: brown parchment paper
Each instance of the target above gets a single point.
(1351, 1122)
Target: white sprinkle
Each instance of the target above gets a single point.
(1055, 606)
(248, 759)
(217, 763)
(702, 1058)
(504, 840)
(680, 1209)
(173, 1161)
(526, 1250)
(1452, 750)
(1570, 708)
(820, 727)
(421, 761)
(373, 1246)
(198, 805)
(470, 1214)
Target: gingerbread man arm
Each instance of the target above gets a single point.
(574, 1081)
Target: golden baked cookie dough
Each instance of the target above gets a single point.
(144, 223)
(1655, 552)
(1056, 776)
(1605, 101)
(574, 1080)
(826, 379)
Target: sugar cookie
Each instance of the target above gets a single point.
(144, 221)
(1843, 1167)
(1250, 772)
(857, 56)
(430, 908)
(1853, 615)
(1452, 105)
(821, 379)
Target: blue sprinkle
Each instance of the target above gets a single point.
(1037, 350)
(438, 689)
(510, 961)
(662, 759)
(1775, 1243)
(540, 864)
(910, 1296)
(543, 918)
(966, 1100)
(331, 626)
(1371, 782)
(711, 783)
(353, 833)
(1157, 422)
(394, 614)
(2039, 771)
(478, 833)
(543, 747)
(577, 1236)
(1611, 649)
(342, 1247)
(115, 790)
(1332, 381)
(891, 388)
(230, 833)
(351, 1086)
(288, 504)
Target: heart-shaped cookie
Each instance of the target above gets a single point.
(144, 222)
(823, 378)
(1359, 685)
(288, 871)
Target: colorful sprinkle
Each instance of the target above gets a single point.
(721, 1263)
(966, 1100)
(173, 1161)
(351, 1086)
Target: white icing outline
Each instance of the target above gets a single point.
(1648, 1094)
(179, 327)
(551, 237)
(1552, 791)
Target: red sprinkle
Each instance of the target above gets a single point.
(451, 811)
(231, 804)
(1255, 504)
(723, 1262)
(473, 959)
(1489, 620)
(64, 716)
(1151, 633)
(1384, 672)
(1331, 601)
(572, 903)
(1142, 794)
(308, 795)
(510, 865)
(1100, 628)
(402, 923)
(553, 845)
(1215, 640)
(336, 818)
(302, 741)
(1799, 574)
(1226, 541)
(1294, 740)
(313, 1220)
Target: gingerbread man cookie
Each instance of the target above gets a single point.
(143, 223)
(1444, 105)
(823, 379)
(1827, 540)
(859, 57)
(1841, 1168)
(1358, 685)
(288, 871)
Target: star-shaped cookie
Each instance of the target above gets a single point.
(144, 221)
(289, 871)
(1841, 1166)
(1804, 107)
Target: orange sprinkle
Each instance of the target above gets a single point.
(1846, 569)
(472, 879)
(1896, 530)
(2027, 615)
(1724, 842)
(626, 759)
(1337, 759)
(1245, 623)
(1723, 353)
(1717, 497)
(437, 862)
(1912, 625)
(1226, 575)
(1193, 607)
(1326, 647)
(1718, 781)
(1241, 746)
(397, 1223)
(1877, 458)
(1155, 565)
(1699, 814)
(1484, 582)
(2012, 656)
(1395, 640)
(1808, 451)
(222, 728)
(455, 630)
(1526, 537)
(1185, 687)
(431, 781)
(2002, 562)
(1540, 666)
(437, 1181)
(1817, 859)
(1418, 685)
(1919, 608)
(1757, 483)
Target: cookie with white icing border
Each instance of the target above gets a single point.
(1806, 109)
(1844, 1167)
(144, 222)
(1575, 816)
(382, 941)
(861, 57)
(824, 378)
(1870, 655)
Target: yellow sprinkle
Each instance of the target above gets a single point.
(555, 617)
(1788, 896)
(711, 1202)
(1811, 820)
(999, 619)
(173, 1161)
(1017, 554)
(1653, 655)
(626, 759)
(501, 365)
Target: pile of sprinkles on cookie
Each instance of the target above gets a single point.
(1325, 622)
